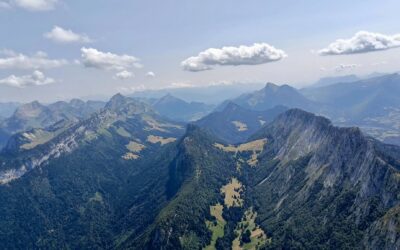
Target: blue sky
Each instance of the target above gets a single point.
(162, 34)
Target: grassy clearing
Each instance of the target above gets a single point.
(135, 147)
(155, 125)
(257, 236)
(104, 132)
(130, 156)
(232, 192)
(240, 126)
(158, 139)
(256, 147)
(37, 138)
(216, 227)
(122, 132)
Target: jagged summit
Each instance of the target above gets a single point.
(126, 105)
(29, 109)
(116, 100)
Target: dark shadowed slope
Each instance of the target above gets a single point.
(235, 124)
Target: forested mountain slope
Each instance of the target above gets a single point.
(127, 179)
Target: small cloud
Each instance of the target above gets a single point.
(346, 67)
(93, 58)
(13, 60)
(34, 5)
(123, 75)
(61, 35)
(37, 78)
(150, 74)
(323, 69)
(362, 42)
(258, 53)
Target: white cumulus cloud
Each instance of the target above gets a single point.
(362, 42)
(150, 74)
(93, 58)
(61, 35)
(37, 78)
(123, 75)
(40, 60)
(258, 53)
(33, 5)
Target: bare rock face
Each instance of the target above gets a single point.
(318, 162)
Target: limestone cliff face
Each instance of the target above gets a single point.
(334, 161)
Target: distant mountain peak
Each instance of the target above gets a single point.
(126, 105)
(116, 101)
(76, 102)
(273, 95)
(169, 98)
(271, 86)
(118, 96)
(29, 109)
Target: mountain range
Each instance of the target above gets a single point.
(211, 94)
(34, 115)
(258, 172)
(127, 178)
(371, 104)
